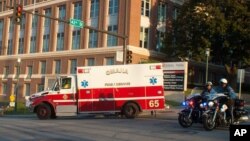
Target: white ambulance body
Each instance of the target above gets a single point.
(123, 89)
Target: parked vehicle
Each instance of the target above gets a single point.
(195, 104)
(217, 114)
(118, 89)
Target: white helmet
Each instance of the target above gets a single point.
(209, 83)
(223, 80)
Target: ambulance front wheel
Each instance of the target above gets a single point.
(130, 110)
(43, 111)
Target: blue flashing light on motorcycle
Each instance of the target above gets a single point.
(184, 103)
(204, 104)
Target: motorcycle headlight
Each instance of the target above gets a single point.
(203, 105)
(210, 103)
(224, 108)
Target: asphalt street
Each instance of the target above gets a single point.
(163, 127)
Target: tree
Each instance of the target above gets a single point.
(221, 25)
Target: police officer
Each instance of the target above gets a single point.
(226, 89)
(208, 90)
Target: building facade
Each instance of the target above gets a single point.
(47, 48)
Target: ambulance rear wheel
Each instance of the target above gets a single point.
(43, 111)
(130, 110)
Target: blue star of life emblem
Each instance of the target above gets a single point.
(153, 80)
(85, 83)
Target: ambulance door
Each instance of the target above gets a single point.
(67, 103)
(103, 100)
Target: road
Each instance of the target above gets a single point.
(103, 129)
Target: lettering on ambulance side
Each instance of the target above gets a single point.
(117, 70)
(153, 103)
(117, 84)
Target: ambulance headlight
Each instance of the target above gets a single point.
(210, 104)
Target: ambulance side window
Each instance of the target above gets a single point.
(66, 83)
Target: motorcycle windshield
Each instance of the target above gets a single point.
(215, 96)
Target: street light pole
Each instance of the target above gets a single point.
(17, 85)
(207, 54)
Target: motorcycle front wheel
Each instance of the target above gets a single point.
(184, 121)
(208, 122)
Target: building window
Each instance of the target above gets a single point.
(57, 67)
(22, 25)
(1, 5)
(62, 12)
(160, 40)
(32, 44)
(145, 7)
(4, 88)
(10, 3)
(6, 72)
(47, 20)
(1, 47)
(112, 40)
(10, 47)
(29, 68)
(45, 43)
(1, 35)
(162, 12)
(27, 89)
(73, 65)
(93, 39)
(109, 60)
(34, 20)
(60, 34)
(21, 45)
(60, 41)
(94, 10)
(144, 37)
(17, 72)
(11, 28)
(43, 67)
(4, 5)
(40, 87)
(113, 7)
(76, 39)
(175, 13)
(90, 61)
(78, 10)
(25, 2)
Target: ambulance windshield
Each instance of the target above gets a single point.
(56, 85)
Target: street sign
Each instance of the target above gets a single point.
(240, 75)
(76, 23)
(12, 98)
(119, 56)
(12, 104)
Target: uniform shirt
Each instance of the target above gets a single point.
(228, 90)
(206, 93)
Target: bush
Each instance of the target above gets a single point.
(21, 109)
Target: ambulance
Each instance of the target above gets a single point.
(119, 89)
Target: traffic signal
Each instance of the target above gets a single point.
(17, 12)
(129, 56)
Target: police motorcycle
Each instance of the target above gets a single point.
(217, 114)
(194, 105)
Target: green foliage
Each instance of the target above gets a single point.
(149, 61)
(221, 25)
(172, 103)
(21, 109)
